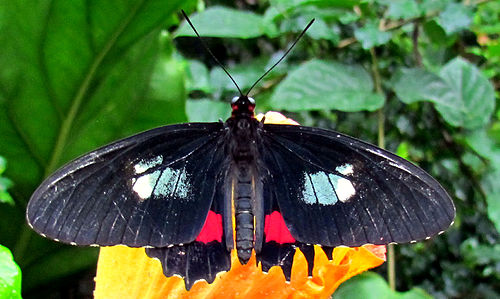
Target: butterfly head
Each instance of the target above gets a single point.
(243, 106)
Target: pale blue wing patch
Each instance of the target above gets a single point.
(173, 182)
(168, 181)
(327, 188)
(144, 165)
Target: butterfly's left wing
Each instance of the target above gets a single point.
(153, 189)
(333, 190)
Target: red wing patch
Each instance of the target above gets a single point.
(275, 229)
(212, 229)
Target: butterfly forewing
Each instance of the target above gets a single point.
(335, 190)
(152, 189)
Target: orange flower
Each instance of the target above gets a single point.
(124, 272)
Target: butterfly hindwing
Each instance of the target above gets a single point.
(151, 189)
(208, 254)
(336, 190)
(278, 246)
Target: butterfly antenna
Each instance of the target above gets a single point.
(282, 57)
(210, 52)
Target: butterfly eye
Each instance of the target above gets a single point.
(233, 101)
(251, 100)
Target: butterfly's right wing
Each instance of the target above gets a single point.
(152, 189)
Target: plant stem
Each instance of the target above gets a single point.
(391, 263)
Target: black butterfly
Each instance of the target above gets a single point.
(176, 190)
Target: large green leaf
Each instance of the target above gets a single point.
(197, 77)
(473, 94)
(403, 9)
(455, 17)
(370, 35)
(492, 190)
(75, 75)
(486, 147)
(283, 5)
(10, 275)
(320, 84)
(205, 110)
(462, 95)
(370, 285)
(225, 22)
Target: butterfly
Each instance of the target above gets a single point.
(179, 191)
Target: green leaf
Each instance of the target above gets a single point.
(205, 110)
(403, 9)
(492, 190)
(455, 17)
(287, 6)
(403, 150)
(435, 33)
(245, 74)
(462, 95)
(472, 97)
(370, 36)
(370, 285)
(320, 84)
(430, 6)
(475, 253)
(225, 22)
(166, 100)
(486, 18)
(10, 275)
(75, 75)
(319, 30)
(3, 164)
(413, 85)
(5, 184)
(198, 77)
(486, 147)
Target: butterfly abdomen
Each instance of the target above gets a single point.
(243, 210)
(244, 154)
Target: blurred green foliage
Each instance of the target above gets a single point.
(75, 75)
(5, 184)
(10, 275)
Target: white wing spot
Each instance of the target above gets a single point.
(345, 169)
(343, 187)
(143, 186)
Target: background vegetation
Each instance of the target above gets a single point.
(423, 75)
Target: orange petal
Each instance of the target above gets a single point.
(129, 273)
(273, 117)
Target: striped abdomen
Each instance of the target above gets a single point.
(243, 210)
